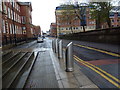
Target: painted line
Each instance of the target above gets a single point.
(101, 74)
(99, 69)
(91, 48)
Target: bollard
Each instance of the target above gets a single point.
(56, 46)
(53, 45)
(69, 57)
(60, 51)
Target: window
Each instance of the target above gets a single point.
(0, 6)
(23, 19)
(23, 28)
(10, 28)
(9, 15)
(3, 26)
(4, 8)
(13, 28)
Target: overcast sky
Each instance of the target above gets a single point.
(43, 13)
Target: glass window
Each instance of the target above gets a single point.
(0, 6)
(10, 29)
(3, 26)
(13, 28)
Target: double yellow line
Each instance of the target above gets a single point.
(101, 72)
(91, 48)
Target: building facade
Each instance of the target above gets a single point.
(53, 30)
(36, 31)
(89, 23)
(76, 25)
(16, 21)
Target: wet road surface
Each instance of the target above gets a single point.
(105, 62)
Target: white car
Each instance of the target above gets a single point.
(39, 39)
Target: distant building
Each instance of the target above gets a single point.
(47, 33)
(89, 23)
(53, 29)
(36, 31)
(76, 24)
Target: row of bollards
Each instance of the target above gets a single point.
(57, 48)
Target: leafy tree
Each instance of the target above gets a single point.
(100, 11)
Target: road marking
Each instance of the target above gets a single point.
(91, 48)
(83, 62)
(99, 69)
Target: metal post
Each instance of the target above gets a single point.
(69, 57)
(53, 45)
(56, 46)
(60, 53)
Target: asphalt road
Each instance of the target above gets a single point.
(99, 62)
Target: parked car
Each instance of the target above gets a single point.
(39, 39)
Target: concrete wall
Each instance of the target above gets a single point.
(104, 36)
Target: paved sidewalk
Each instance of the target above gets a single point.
(49, 72)
(75, 79)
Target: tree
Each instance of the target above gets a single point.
(100, 11)
(80, 12)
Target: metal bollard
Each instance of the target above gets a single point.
(60, 51)
(69, 57)
(56, 46)
(53, 45)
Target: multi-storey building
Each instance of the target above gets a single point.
(36, 31)
(53, 29)
(89, 23)
(16, 21)
(11, 22)
(26, 18)
(76, 25)
(115, 16)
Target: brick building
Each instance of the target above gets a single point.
(16, 21)
(53, 30)
(76, 24)
(26, 18)
(90, 24)
(36, 31)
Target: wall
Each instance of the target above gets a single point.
(103, 36)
